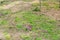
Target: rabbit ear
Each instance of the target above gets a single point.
(28, 27)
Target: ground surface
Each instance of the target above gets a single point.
(29, 20)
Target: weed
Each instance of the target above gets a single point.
(2, 22)
(38, 38)
(25, 37)
(36, 9)
(46, 5)
(56, 6)
(7, 36)
(35, 4)
(55, 37)
(19, 26)
(5, 12)
(17, 19)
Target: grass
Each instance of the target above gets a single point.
(44, 22)
(38, 22)
(42, 26)
(3, 22)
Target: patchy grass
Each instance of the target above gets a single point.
(28, 25)
(37, 23)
